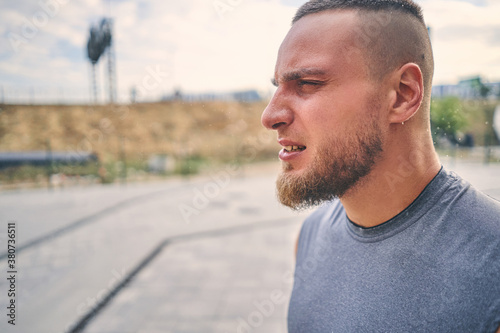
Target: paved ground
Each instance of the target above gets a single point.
(103, 233)
(205, 255)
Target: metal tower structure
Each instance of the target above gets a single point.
(111, 66)
(100, 42)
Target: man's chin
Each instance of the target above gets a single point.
(293, 168)
(293, 187)
(303, 188)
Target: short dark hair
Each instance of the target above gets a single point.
(315, 6)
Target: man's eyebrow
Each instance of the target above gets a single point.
(297, 74)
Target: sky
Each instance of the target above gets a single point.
(200, 46)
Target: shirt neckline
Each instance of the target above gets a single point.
(423, 203)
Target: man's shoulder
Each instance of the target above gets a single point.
(469, 219)
(480, 216)
(473, 207)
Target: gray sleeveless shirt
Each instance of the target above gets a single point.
(435, 267)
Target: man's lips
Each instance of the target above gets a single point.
(291, 149)
(290, 145)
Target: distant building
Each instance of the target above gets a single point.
(247, 96)
(239, 96)
(472, 88)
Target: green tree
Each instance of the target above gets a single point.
(447, 117)
(484, 91)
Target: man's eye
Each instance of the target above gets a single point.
(307, 83)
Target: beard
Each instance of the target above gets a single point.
(335, 169)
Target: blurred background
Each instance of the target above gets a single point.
(138, 176)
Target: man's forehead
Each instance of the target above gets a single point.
(320, 30)
(315, 44)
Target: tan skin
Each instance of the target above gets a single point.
(322, 94)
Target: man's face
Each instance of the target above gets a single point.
(326, 110)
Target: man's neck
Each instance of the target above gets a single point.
(391, 186)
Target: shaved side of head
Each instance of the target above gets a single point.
(404, 39)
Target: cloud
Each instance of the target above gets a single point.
(488, 34)
(465, 39)
(202, 50)
(206, 48)
(479, 3)
(293, 3)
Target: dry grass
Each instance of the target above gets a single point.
(216, 131)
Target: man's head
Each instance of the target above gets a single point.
(347, 73)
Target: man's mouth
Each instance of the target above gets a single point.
(291, 149)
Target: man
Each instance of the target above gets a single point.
(400, 244)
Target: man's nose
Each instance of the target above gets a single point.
(277, 114)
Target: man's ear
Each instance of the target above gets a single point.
(409, 88)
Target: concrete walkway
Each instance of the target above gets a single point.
(212, 254)
(237, 282)
(212, 236)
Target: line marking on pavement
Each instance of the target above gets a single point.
(92, 314)
(88, 219)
